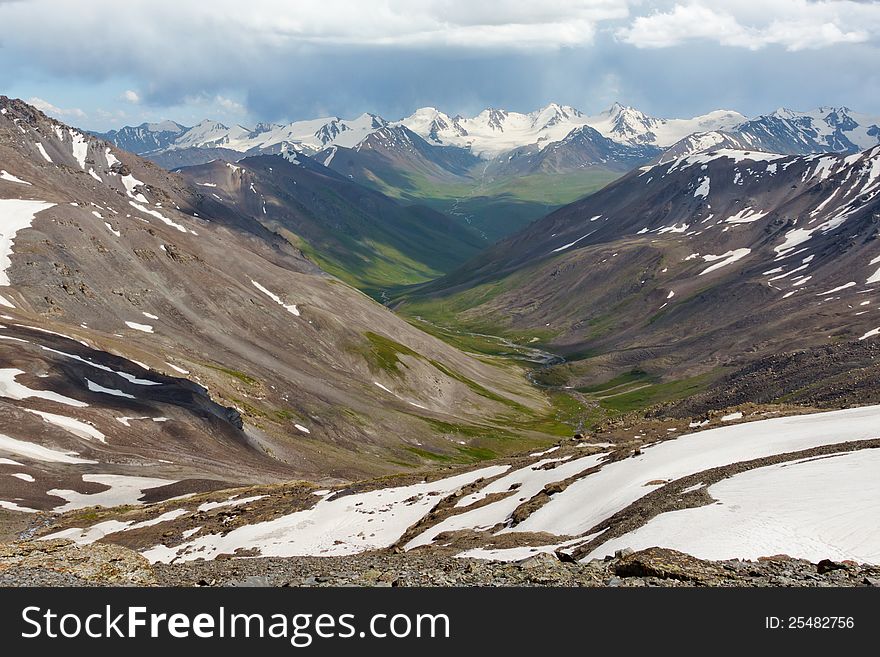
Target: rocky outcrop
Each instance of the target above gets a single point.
(100, 564)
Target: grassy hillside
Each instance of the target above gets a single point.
(365, 238)
(495, 208)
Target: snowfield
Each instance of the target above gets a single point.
(334, 526)
(591, 500)
(816, 507)
(821, 508)
(528, 482)
(122, 490)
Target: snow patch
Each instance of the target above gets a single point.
(334, 526)
(145, 328)
(43, 152)
(4, 175)
(814, 509)
(38, 452)
(158, 215)
(94, 387)
(69, 424)
(291, 308)
(15, 215)
(723, 260)
(10, 388)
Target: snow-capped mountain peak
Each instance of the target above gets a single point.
(493, 118)
(164, 126)
(554, 114)
(628, 125)
(824, 129)
(432, 124)
(496, 131)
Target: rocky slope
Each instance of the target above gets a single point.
(388, 156)
(582, 147)
(29, 565)
(684, 266)
(353, 232)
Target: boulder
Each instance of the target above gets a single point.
(98, 563)
(668, 564)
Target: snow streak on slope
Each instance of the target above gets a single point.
(289, 307)
(38, 452)
(74, 426)
(11, 388)
(5, 175)
(334, 526)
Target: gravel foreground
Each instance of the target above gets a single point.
(62, 563)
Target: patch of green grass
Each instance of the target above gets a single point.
(250, 409)
(462, 340)
(476, 387)
(383, 354)
(241, 376)
(441, 316)
(443, 310)
(497, 206)
(403, 463)
(565, 416)
(634, 375)
(551, 376)
(477, 453)
(386, 267)
(430, 456)
(466, 454)
(657, 393)
(468, 430)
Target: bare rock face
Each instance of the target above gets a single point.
(97, 564)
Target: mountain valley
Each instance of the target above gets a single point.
(527, 344)
(154, 337)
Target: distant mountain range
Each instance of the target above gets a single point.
(499, 170)
(496, 132)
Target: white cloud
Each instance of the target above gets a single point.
(792, 24)
(230, 105)
(131, 96)
(49, 108)
(510, 24)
